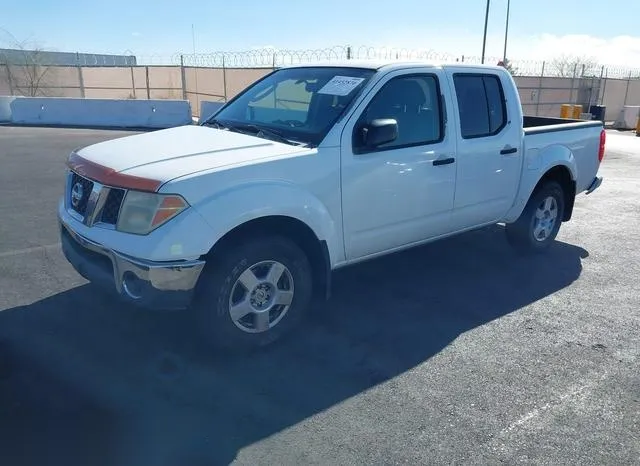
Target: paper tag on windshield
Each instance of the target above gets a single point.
(340, 85)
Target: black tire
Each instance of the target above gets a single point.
(520, 233)
(219, 279)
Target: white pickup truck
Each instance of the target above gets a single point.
(240, 220)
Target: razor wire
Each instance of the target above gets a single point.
(275, 57)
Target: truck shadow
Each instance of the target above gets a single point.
(85, 381)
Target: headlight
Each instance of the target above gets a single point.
(143, 212)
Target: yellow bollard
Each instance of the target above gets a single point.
(577, 110)
(638, 127)
(565, 111)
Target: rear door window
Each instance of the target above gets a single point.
(481, 104)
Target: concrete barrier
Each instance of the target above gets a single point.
(208, 108)
(5, 108)
(108, 113)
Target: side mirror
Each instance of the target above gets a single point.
(380, 132)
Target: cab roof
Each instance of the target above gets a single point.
(390, 65)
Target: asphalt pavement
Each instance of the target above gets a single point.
(460, 351)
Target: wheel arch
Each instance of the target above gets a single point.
(300, 233)
(523, 233)
(562, 175)
(562, 172)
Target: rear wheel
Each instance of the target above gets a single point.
(253, 294)
(539, 223)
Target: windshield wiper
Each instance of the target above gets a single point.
(255, 130)
(269, 133)
(216, 123)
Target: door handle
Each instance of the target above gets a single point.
(446, 161)
(509, 150)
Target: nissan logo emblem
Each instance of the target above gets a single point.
(77, 192)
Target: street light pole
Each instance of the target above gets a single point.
(506, 33)
(484, 38)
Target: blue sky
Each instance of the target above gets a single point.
(538, 28)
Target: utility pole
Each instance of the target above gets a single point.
(506, 33)
(484, 38)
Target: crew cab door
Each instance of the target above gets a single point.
(400, 192)
(489, 150)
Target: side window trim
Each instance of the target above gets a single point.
(503, 105)
(441, 112)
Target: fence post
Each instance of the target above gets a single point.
(9, 78)
(183, 78)
(274, 61)
(195, 76)
(626, 92)
(540, 89)
(573, 82)
(133, 83)
(224, 78)
(146, 71)
(599, 95)
(592, 90)
(348, 52)
(604, 86)
(80, 76)
(81, 79)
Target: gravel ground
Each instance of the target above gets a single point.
(455, 352)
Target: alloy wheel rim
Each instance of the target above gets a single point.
(545, 218)
(261, 296)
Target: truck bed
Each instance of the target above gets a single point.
(578, 136)
(537, 125)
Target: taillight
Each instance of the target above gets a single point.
(603, 140)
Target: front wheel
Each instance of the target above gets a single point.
(539, 223)
(253, 294)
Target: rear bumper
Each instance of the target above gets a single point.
(153, 285)
(595, 184)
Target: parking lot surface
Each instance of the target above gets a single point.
(460, 351)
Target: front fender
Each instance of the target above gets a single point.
(536, 164)
(228, 209)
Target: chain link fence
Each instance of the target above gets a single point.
(218, 76)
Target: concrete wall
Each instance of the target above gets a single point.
(540, 96)
(614, 97)
(618, 93)
(218, 84)
(544, 96)
(204, 84)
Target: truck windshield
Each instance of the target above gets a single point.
(293, 105)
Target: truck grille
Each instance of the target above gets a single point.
(79, 193)
(111, 208)
(109, 200)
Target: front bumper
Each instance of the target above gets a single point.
(154, 285)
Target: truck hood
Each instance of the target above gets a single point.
(171, 153)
